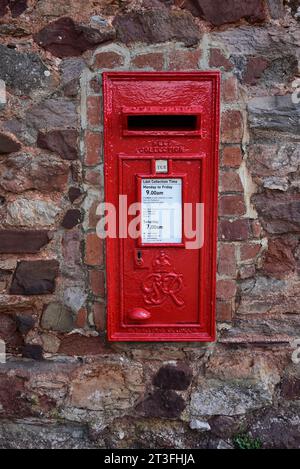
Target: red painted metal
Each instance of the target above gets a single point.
(162, 292)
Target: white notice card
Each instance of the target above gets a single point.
(161, 211)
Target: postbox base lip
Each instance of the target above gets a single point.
(199, 337)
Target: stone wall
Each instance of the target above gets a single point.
(64, 385)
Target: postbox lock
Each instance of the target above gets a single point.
(139, 314)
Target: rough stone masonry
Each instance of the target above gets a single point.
(64, 385)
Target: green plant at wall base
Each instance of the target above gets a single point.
(244, 441)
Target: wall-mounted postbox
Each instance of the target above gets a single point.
(161, 165)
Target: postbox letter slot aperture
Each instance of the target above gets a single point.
(163, 122)
(161, 142)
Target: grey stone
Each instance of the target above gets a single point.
(155, 26)
(57, 317)
(275, 183)
(281, 70)
(276, 8)
(278, 428)
(199, 425)
(14, 30)
(53, 113)
(225, 398)
(279, 211)
(274, 113)
(74, 297)
(271, 41)
(219, 12)
(19, 128)
(224, 426)
(273, 160)
(23, 72)
(71, 71)
(43, 434)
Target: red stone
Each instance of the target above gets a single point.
(227, 260)
(230, 182)
(236, 230)
(230, 90)
(3, 7)
(279, 260)
(232, 205)
(95, 84)
(17, 7)
(256, 229)
(80, 346)
(157, 26)
(279, 211)
(62, 142)
(184, 59)
(71, 248)
(74, 193)
(8, 143)
(33, 352)
(99, 316)
(93, 142)
(226, 289)
(247, 271)
(231, 157)
(249, 251)
(96, 282)
(16, 242)
(94, 250)
(94, 110)
(65, 38)
(218, 60)
(290, 388)
(81, 319)
(224, 311)
(232, 127)
(34, 277)
(72, 218)
(93, 177)
(14, 402)
(93, 217)
(9, 333)
(162, 404)
(254, 70)
(108, 60)
(22, 172)
(177, 377)
(153, 60)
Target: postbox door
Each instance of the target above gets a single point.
(158, 289)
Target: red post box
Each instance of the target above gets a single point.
(161, 175)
